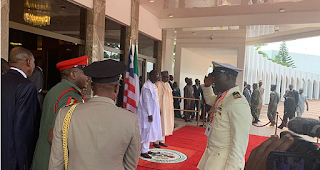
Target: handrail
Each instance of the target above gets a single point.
(199, 104)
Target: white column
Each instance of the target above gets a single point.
(316, 91)
(240, 64)
(167, 50)
(310, 89)
(283, 88)
(177, 66)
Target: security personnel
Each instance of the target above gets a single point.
(100, 134)
(228, 131)
(255, 99)
(66, 92)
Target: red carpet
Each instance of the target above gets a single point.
(191, 141)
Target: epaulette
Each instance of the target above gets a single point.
(68, 105)
(236, 95)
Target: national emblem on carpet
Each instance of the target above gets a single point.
(166, 156)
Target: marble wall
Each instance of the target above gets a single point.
(5, 28)
(95, 31)
(132, 31)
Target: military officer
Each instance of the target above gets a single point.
(93, 141)
(273, 104)
(66, 92)
(255, 100)
(228, 130)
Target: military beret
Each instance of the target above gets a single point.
(273, 86)
(225, 68)
(79, 62)
(106, 71)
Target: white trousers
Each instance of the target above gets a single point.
(300, 111)
(162, 141)
(145, 147)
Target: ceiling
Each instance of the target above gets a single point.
(204, 8)
(224, 55)
(65, 16)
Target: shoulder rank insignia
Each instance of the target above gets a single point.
(236, 95)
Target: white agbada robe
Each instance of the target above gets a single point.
(149, 105)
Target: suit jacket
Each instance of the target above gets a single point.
(197, 92)
(37, 78)
(296, 97)
(101, 136)
(228, 140)
(19, 121)
(171, 85)
(247, 94)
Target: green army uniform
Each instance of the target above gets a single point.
(60, 95)
(255, 99)
(273, 104)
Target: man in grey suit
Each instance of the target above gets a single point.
(101, 136)
(37, 78)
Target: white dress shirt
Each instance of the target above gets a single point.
(20, 71)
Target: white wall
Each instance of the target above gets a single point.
(256, 63)
(149, 24)
(84, 3)
(192, 66)
(119, 10)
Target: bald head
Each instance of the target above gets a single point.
(22, 59)
(20, 54)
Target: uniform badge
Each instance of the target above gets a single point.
(236, 95)
(71, 101)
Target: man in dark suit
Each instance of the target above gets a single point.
(295, 96)
(171, 81)
(37, 78)
(19, 112)
(197, 93)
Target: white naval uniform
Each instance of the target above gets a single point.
(228, 140)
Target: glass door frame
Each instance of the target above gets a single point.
(145, 60)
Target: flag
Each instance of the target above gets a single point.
(131, 87)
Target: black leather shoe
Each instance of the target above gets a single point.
(151, 153)
(156, 145)
(163, 144)
(145, 155)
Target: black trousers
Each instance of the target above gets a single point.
(290, 115)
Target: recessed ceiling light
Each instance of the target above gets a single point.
(151, 1)
(282, 10)
(170, 16)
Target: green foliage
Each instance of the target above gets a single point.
(259, 46)
(282, 58)
(115, 56)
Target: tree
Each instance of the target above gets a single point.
(115, 56)
(258, 47)
(284, 57)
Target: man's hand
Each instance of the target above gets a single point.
(208, 80)
(307, 108)
(150, 118)
(259, 155)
